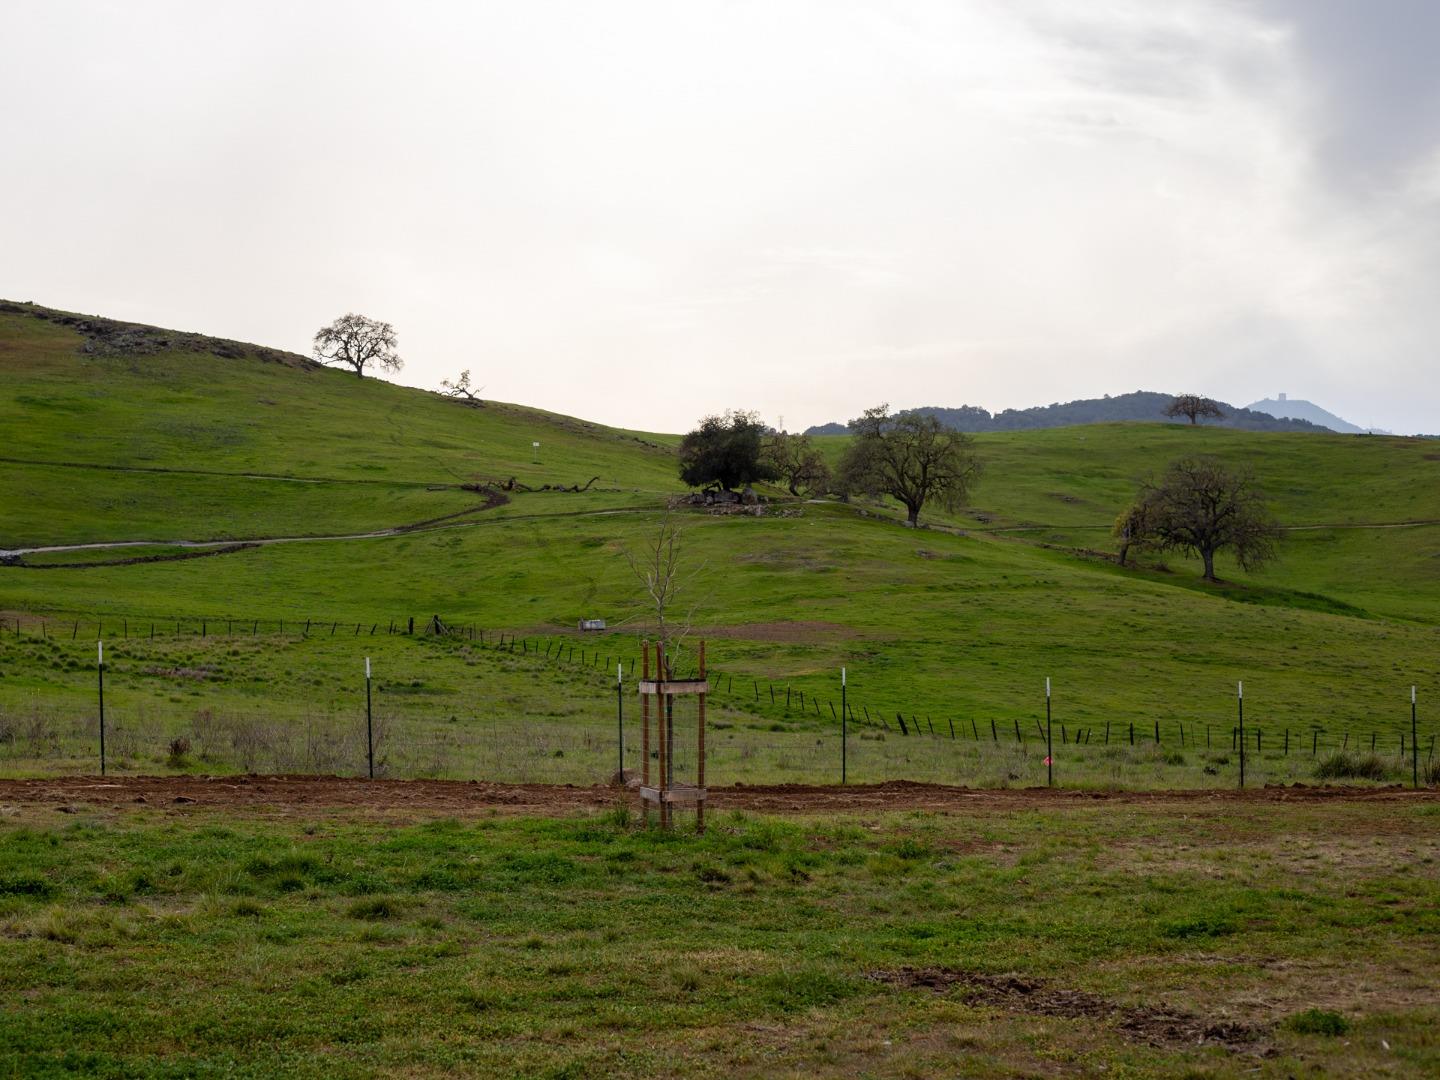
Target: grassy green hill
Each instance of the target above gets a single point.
(962, 621)
(223, 441)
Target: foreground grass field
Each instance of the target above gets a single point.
(1135, 938)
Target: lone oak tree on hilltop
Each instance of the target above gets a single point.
(1200, 507)
(725, 450)
(355, 341)
(1195, 408)
(911, 457)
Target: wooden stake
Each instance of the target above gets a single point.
(645, 728)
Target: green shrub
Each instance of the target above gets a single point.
(538, 867)
(26, 885)
(794, 991)
(179, 748)
(713, 875)
(910, 848)
(1346, 766)
(1318, 1022)
(1200, 926)
(376, 907)
(443, 879)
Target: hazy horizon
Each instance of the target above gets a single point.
(644, 212)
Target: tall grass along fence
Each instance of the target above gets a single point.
(764, 732)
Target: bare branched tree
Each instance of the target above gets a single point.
(357, 342)
(460, 390)
(666, 579)
(1200, 507)
(799, 465)
(1194, 408)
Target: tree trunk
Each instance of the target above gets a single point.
(1209, 557)
(914, 515)
(1124, 551)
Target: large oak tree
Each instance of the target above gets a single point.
(1194, 407)
(910, 457)
(725, 450)
(1200, 507)
(356, 342)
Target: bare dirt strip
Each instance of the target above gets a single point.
(461, 797)
(1161, 1026)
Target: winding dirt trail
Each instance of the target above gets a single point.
(447, 522)
(442, 526)
(263, 541)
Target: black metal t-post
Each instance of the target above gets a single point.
(1049, 742)
(1240, 708)
(1414, 743)
(369, 724)
(100, 671)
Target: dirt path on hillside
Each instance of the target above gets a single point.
(441, 525)
(282, 793)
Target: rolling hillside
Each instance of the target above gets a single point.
(189, 443)
(967, 617)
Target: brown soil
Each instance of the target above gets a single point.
(1157, 1026)
(458, 797)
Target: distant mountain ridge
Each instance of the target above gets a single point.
(1300, 409)
(1140, 405)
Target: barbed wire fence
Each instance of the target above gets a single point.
(879, 743)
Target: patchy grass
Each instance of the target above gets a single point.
(1150, 941)
(1318, 1022)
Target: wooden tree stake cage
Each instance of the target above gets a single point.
(657, 784)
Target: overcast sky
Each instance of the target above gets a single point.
(642, 212)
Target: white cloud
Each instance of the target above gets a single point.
(641, 212)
